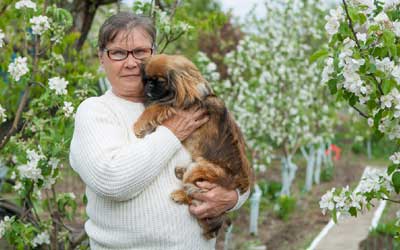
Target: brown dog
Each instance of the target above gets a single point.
(217, 148)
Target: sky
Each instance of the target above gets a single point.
(239, 7)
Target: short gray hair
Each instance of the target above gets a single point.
(124, 21)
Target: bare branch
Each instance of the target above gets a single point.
(3, 9)
(360, 112)
(18, 116)
(75, 241)
(351, 23)
(387, 199)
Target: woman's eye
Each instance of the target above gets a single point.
(140, 52)
(118, 53)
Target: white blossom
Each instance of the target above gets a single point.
(18, 68)
(368, 3)
(362, 37)
(396, 28)
(17, 186)
(42, 238)
(71, 195)
(370, 122)
(39, 24)
(396, 73)
(3, 225)
(358, 201)
(388, 4)
(3, 116)
(333, 20)
(59, 85)
(395, 158)
(25, 4)
(68, 109)
(53, 162)
(2, 35)
(328, 69)
(382, 18)
(370, 181)
(326, 202)
(385, 65)
(30, 170)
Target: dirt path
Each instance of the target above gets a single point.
(349, 232)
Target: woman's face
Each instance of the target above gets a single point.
(124, 75)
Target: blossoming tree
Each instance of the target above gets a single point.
(273, 88)
(42, 89)
(362, 68)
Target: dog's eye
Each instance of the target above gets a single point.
(161, 80)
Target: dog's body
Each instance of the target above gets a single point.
(217, 148)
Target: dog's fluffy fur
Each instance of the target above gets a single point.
(217, 148)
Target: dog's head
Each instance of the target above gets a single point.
(173, 80)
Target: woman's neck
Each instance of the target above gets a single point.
(140, 99)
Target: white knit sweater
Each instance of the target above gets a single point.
(129, 180)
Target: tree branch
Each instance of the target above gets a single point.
(351, 23)
(75, 241)
(3, 9)
(360, 112)
(387, 199)
(17, 118)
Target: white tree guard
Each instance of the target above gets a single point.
(288, 173)
(254, 212)
(310, 158)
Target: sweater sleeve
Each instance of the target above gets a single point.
(242, 198)
(107, 163)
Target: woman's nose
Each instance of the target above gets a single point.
(131, 61)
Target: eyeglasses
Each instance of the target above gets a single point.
(122, 54)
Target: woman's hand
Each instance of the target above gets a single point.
(185, 122)
(214, 202)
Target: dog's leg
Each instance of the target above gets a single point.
(211, 226)
(152, 117)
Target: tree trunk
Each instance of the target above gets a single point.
(83, 12)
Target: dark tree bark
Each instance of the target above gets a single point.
(83, 12)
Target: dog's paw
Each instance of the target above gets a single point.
(179, 196)
(139, 130)
(179, 172)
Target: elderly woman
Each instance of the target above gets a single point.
(129, 180)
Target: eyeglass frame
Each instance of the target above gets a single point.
(152, 49)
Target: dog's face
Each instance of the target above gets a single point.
(172, 80)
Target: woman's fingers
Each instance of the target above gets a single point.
(184, 123)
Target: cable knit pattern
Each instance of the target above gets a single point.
(129, 180)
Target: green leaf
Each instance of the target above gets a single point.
(377, 135)
(393, 50)
(391, 169)
(396, 181)
(353, 100)
(372, 68)
(387, 85)
(353, 211)
(389, 38)
(332, 86)
(322, 53)
(334, 215)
